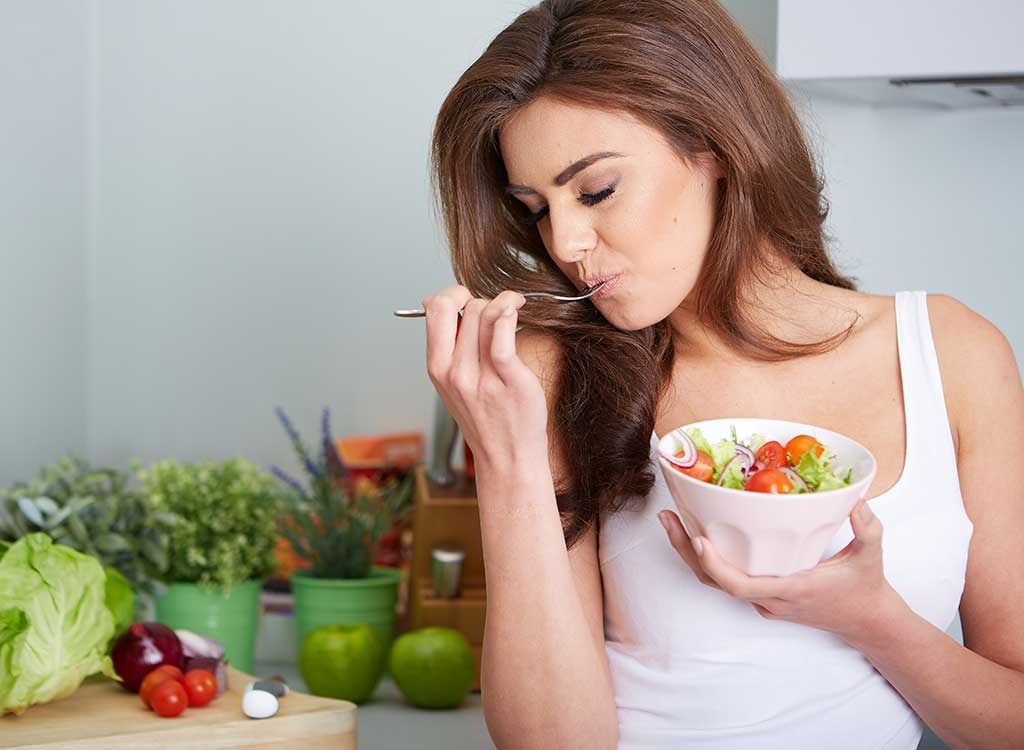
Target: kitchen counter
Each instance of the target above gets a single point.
(102, 715)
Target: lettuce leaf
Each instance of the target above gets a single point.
(811, 469)
(120, 600)
(699, 440)
(756, 441)
(54, 622)
(734, 478)
(818, 474)
(830, 482)
(722, 453)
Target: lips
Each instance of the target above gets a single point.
(598, 279)
(608, 288)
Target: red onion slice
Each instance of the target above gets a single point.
(795, 478)
(747, 454)
(689, 450)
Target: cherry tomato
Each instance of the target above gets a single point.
(703, 470)
(201, 687)
(798, 446)
(172, 670)
(769, 480)
(150, 682)
(771, 455)
(168, 699)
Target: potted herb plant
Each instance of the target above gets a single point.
(219, 552)
(101, 512)
(335, 522)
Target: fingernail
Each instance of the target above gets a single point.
(866, 513)
(427, 300)
(698, 547)
(664, 519)
(508, 312)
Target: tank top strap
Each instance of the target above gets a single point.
(929, 438)
(923, 396)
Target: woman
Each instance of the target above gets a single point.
(648, 142)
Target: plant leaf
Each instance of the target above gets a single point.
(29, 510)
(47, 506)
(154, 553)
(110, 543)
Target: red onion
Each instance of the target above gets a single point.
(747, 454)
(795, 478)
(193, 644)
(688, 449)
(744, 456)
(143, 647)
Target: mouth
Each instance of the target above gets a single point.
(602, 285)
(601, 281)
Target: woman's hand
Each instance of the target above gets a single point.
(846, 594)
(497, 400)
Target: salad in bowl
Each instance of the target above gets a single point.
(769, 494)
(799, 465)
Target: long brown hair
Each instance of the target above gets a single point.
(684, 68)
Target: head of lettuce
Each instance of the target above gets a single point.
(54, 623)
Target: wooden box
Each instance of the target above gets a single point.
(443, 516)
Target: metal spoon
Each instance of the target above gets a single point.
(419, 313)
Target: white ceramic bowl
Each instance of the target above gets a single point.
(758, 532)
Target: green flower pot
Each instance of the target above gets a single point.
(231, 619)
(346, 601)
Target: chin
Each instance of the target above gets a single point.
(630, 320)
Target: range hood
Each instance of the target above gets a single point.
(965, 91)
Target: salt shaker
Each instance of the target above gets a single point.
(446, 570)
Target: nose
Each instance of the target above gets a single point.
(572, 235)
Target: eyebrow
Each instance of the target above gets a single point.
(566, 174)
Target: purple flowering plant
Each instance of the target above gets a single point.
(332, 520)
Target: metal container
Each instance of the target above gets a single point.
(446, 571)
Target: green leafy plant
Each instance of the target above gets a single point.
(228, 527)
(98, 511)
(335, 521)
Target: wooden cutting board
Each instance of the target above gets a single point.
(102, 715)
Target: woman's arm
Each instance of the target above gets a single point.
(971, 697)
(545, 678)
(974, 696)
(544, 672)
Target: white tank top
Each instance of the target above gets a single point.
(693, 667)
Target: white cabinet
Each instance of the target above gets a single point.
(870, 49)
(904, 39)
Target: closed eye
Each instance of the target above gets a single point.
(587, 199)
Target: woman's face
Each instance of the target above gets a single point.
(611, 197)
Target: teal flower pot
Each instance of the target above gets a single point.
(231, 619)
(346, 601)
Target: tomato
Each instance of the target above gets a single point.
(168, 698)
(703, 470)
(771, 455)
(172, 670)
(150, 682)
(798, 446)
(769, 480)
(201, 687)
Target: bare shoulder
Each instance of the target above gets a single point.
(976, 361)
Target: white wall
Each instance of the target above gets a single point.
(927, 199)
(263, 208)
(219, 204)
(42, 220)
